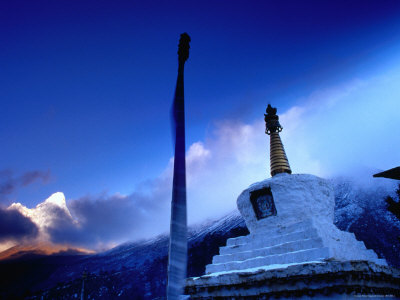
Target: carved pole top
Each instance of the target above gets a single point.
(183, 48)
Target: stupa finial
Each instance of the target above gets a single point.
(272, 120)
(278, 159)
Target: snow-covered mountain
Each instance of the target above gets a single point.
(361, 208)
(137, 270)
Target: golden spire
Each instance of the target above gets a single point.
(278, 159)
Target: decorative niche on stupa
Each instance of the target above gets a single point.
(293, 249)
(263, 203)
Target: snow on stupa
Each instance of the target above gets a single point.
(293, 249)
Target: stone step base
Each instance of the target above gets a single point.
(315, 254)
(333, 279)
(263, 241)
(294, 243)
(273, 250)
(274, 232)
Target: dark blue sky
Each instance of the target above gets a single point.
(86, 86)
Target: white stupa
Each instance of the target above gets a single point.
(295, 226)
(293, 249)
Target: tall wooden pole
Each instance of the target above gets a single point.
(177, 258)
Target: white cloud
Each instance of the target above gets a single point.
(351, 126)
(43, 215)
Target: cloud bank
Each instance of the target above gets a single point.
(16, 227)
